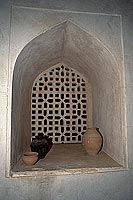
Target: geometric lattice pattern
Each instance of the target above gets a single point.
(58, 105)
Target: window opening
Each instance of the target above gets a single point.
(58, 105)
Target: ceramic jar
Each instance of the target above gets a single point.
(41, 144)
(92, 141)
(30, 158)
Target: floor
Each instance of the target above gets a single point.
(68, 158)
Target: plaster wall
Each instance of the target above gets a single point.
(69, 43)
(97, 64)
(111, 185)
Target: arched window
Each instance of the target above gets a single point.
(58, 105)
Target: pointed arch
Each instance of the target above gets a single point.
(70, 44)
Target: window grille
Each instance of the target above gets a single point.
(58, 105)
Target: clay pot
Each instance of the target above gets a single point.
(30, 158)
(92, 141)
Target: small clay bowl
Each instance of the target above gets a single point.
(30, 158)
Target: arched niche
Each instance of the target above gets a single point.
(69, 44)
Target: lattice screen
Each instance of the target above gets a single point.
(59, 105)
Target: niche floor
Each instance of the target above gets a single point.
(67, 159)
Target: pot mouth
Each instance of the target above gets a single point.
(30, 153)
(92, 128)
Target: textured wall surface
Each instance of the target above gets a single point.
(111, 185)
(70, 44)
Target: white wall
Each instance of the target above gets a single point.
(112, 185)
